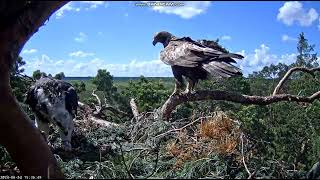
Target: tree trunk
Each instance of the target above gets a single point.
(19, 21)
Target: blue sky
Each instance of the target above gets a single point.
(83, 37)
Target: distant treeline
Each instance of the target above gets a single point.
(120, 78)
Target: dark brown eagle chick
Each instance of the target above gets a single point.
(195, 60)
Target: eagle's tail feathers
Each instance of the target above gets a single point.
(221, 69)
(231, 55)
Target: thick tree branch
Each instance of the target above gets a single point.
(288, 74)
(176, 100)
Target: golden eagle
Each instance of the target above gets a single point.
(195, 60)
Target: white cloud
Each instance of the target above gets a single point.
(225, 38)
(154, 68)
(319, 25)
(293, 11)
(126, 14)
(78, 6)
(30, 51)
(72, 67)
(254, 61)
(286, 38)
(81, 38)
(262, 57)
(80, 54)
(68, 7)
(186, 10)
(94, 4)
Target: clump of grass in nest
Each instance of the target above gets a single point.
(217, 134)
(223, 131)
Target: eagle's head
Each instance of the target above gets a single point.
(163, 37)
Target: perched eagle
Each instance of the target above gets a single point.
(195, 60)
(54, 101)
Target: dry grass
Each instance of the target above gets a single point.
(218, 134)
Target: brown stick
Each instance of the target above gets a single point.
(287, 75)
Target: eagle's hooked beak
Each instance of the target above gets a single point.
(154, 42)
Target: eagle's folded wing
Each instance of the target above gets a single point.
(186, 54)
(189, 54)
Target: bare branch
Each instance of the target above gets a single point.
(134, 109)
(102, 107)
(114, 110)
(99, 106)
(90, 116)
(176, 100)
(287, 75)
(243, 160)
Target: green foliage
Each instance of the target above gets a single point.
(104, 82)
(286, 131)
(38, 74)
(60, 76)
(79, 87)
(282, 139)
(17, 67)
(305, 56)
(4, 155)
(147, 94)
(19, 84)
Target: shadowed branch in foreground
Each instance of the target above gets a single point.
(19, 21)
(175, 100)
